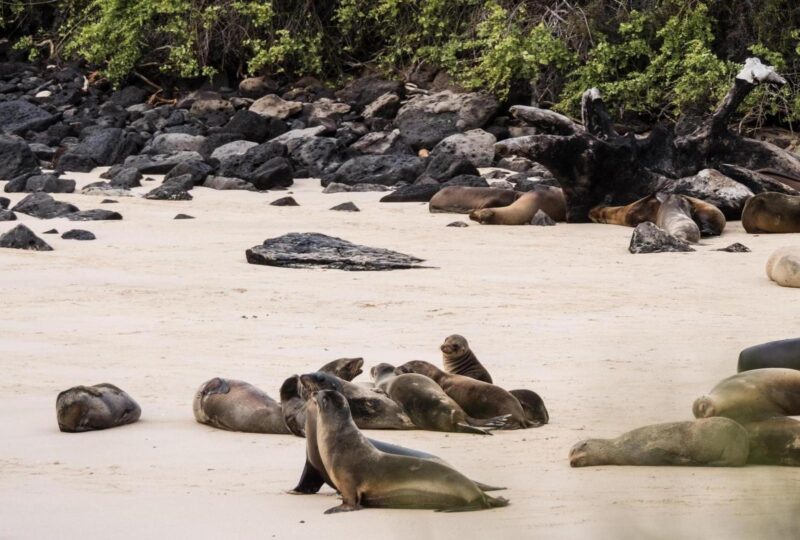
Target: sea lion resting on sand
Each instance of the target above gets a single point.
(459, 359)
(774, 354)
(314, 473)
(463, 200)
(532, 405)
(783, 267)
(753, 395)
(548, 199)
(477, 398)
(428, 406)
(367, 477)
(771, 212)
(237, 406)
(714, 442)
(775, 441)
(88, 408)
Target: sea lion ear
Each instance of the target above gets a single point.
(661, 197)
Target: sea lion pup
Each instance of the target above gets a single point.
(477, 398)
(463, 200)
(367, 477)
(675, 216)
(548, 199)
(102, 406)
(774, 354)
(712, 442)
(346, 369)
(783, 266)
(370, 409)
(753, 395)
(314, 474)
(428, 406)
(771, 212)
(631, 215)
(708, 217)
(774, 441)
(532, 405)
(459, 359)
(237, 406)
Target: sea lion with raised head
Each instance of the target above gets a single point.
(477, 398)
(548, 199)
(345, 368)
(368, 477)
(710, 442)
(771, 212)
(463, 200)
(237, 406)
(774, 441)
(459, 359)
(753, 395)
(428, 406)
(773, 354)
(370, 409)
(630, 215)
(675, 217)
(89, 408)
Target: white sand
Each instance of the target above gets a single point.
(612, 341)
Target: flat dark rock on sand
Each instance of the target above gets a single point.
(346, 207)
(21, 237)
(457, 224)
(310, 250)
(183, 216)
(285, 201)
(94, 215)
(78, 234)
(735, 248)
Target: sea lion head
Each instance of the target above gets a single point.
(703, 407)
(331, 404)
(315, 382)
(421, 367)
(482, 216)
(344, 368)
(454, 346)
(291, 388)
(587, 453)
(71, 406)
(381, 371)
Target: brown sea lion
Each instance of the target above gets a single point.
(463, 200)
(775, 441)
(548, 199)
(675, 217)
(783, 266)
(753, 395)
(631, 215)
(771, 212)
(477, 398)
(712, 442)
(428, 406)
(88, 408)
(345, 368)
(237, 406)
(314, 474)
(459, 359)
(708, 217)
(368, 477)
(532, 405)
(370, 409)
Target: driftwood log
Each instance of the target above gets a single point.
(596, 166)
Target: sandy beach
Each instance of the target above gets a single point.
(612, 341)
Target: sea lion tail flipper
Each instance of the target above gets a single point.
(466, 428)
(497, 422)
(486, 487)
(486, 502)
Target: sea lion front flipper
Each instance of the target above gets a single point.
(466, 428)
(344, 507)
(310, 481)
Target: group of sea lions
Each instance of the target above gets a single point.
(744, 419)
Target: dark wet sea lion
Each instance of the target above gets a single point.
(532, 405)
(708, 217)
(753, 395)
(463, 200)
(548, 199)
(631, 215)
(367, 477)
(370, 409)
(477, 398)
(775, 441)
(428, 406)
(712, 442)
(774, 354)
(458, 358)
(237, 406)
(675, 217)
(771, 212)
(88, 408)
(345, 368)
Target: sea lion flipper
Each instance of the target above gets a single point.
(486, 487)
(344, 507)
(310, 481)
(466, 428)
(487, 502)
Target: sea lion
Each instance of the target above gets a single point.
(775, 441)
(631, 215)
(774, 354)
(771, 212)
(463, 200)
(370, 409)
(477, 398)
(708, 217)
(532, 406)
(783, 266)
(314, 474)
(345, 368)
(367, 477)
(237, 406)
(675, 217)
(102, 406)
(712, 442)
(753, 395)
(459, 359)
(548, 199)
(428, 406)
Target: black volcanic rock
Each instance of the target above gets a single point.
(648, 238)
(78, 234)
(42, 205)
(21, 237)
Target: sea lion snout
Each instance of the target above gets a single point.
(703, 408)
(481, 216)
(578, 455)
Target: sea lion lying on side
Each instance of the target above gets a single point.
(771, 212)
(631, 215)
(463, 200)
(753, 395)
(548, 199)
(89, 408)
(237, 406)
